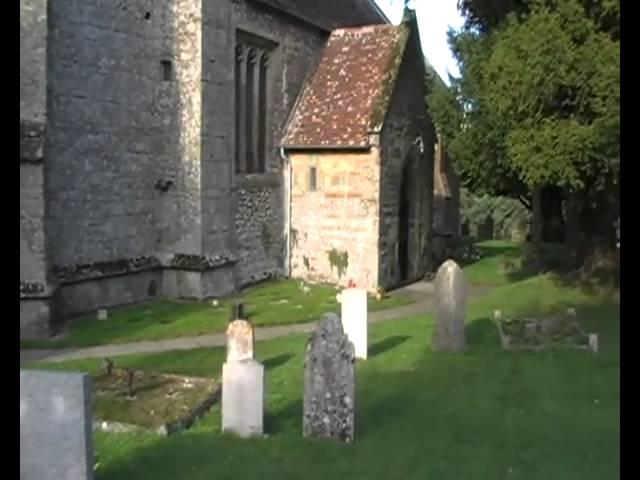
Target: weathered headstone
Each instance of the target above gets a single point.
(450, 292)
(55, 426)
(243, 397)
(242, 383)
(354, 319)
(102, 314)
(329, 383)
(240, 341)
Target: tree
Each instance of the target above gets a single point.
(537, 103)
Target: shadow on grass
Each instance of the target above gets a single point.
(482, 333)
(285, 419)
(276, 361)
(465, 253)
(387, 344)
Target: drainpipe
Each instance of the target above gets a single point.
(287, 212)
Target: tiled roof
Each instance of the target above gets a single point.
(347, 96)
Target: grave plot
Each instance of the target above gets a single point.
(562, 331)
(127, 400)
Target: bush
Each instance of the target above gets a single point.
(494, 217)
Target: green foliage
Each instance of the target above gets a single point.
(537, 102)
(508, 215)
(552, 80)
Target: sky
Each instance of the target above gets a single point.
(434, 19)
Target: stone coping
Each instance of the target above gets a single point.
(197, 263)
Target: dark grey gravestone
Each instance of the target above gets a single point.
(55, 426)
(450, 293)
(329, 382)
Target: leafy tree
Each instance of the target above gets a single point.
(537, 103)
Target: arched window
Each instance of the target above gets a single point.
(240, 157)
(262, 112)
(251, 102)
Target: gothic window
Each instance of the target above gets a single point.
(251, 86)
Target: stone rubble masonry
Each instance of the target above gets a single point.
(56, 439)
(136, 160)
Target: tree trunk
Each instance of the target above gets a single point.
(536, 216)
(573, 234)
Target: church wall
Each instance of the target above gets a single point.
(257, 199)
(34, 288)
(406, 120)
(122, 176)
(334, 227)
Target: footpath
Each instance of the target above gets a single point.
(421, 292)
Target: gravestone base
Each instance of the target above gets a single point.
(243, 398)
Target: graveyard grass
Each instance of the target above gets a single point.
(503, 262)
(166, 319)
(483, 415)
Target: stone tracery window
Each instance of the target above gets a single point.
(251, 74)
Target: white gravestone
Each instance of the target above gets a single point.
(354, 319)
(243, 397)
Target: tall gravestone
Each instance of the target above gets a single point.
(55, 426)
(450, 293)
(329, 383)
(354, 318)
(242, 383)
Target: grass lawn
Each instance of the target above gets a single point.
(504, 262)
(481, 415)
(271, 303)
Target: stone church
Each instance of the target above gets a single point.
(187, 148)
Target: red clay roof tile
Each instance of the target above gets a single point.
(347, 96)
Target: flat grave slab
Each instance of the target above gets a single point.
(133, 400)
(560, 331)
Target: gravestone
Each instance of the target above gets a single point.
(55, 426)
(354, 319)
(329, 382)
(240, 341)
(242, 383)
(450, 293)
(243, 397)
